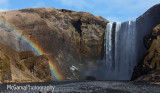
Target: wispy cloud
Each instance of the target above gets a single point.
(4, 4)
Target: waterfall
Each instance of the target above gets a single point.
(120, 50)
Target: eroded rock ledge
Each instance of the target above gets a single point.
(22, 67)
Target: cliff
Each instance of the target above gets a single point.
(145, 24)
(148, 65)
(68, 38)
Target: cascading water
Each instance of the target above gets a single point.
(120, 50)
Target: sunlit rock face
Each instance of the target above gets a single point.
(22, 67)
(37, 65)
(66, 37)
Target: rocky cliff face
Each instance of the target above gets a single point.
(72, 40)
(151, 65)
(148, 65)
(69, 38)
(20, 67)
(145, 24)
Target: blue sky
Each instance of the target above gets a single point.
(113, 10)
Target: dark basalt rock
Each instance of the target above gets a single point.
(148, 69)
(148, 40)
(91, 78)
(145, 24)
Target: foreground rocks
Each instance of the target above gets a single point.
(152, 77)
(89, 87)
(29, 69)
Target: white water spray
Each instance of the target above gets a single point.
(120, 50)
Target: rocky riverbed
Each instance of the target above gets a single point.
(87, 87)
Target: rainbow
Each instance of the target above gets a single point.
(55, 72)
